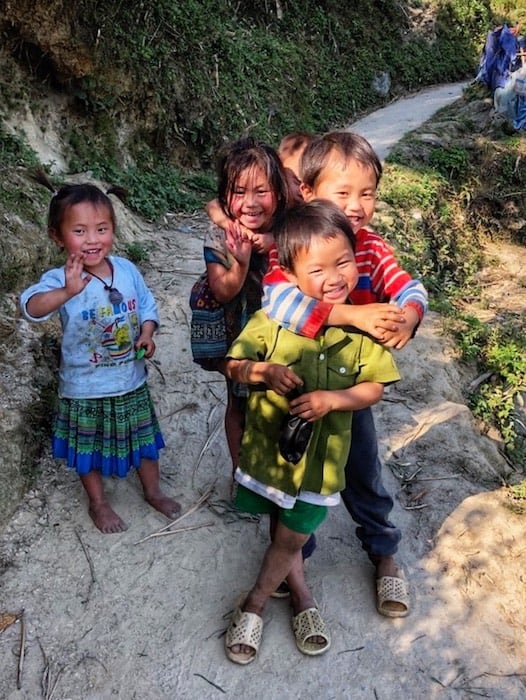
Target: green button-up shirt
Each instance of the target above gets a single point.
(335, 359)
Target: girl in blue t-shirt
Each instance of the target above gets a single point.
(105, 423)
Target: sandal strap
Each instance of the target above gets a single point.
(392, 589)
(244, 628)
(309, 623)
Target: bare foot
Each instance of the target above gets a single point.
(106, 519)
(165, 505)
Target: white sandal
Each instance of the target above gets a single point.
(306, 624)
(245, 628)
(389, 590)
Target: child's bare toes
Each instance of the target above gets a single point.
(165, 505)
(106, 519)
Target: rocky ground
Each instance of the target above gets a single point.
(141, 614)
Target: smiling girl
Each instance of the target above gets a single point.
(252, 193)
(105, 423)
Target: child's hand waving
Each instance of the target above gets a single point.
(73, 270)
(238, 243)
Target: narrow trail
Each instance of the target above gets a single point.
(141, 614)
(385, 127)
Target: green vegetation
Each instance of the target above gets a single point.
(136, 252)
(15, 152)
(517, 498)
(445, 203)
(181, 78)
(203, 72)
(499, 351)
(158, 187)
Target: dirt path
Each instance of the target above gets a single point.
(384, 127)
(123, 617)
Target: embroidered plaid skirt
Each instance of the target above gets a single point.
(110, 435)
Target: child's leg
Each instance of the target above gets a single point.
(369, 504)
(149, 475)
(99, 509)
(277, 563)
(282, 560)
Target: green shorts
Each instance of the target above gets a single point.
(303, 518)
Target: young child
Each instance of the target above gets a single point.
(252, 192)
(105, 423)
(339, 372)
(290, 150)
(343, 167)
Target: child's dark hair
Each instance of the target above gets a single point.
(247, 153)
(68, 195)
(296, 228)
(348, 145)
(292, 142)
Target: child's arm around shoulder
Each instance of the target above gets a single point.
(216, 215)
(395, 284)
(42, 304)
(284, 303)
(394, 323)
(398, 338)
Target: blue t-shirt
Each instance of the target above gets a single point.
(97, 351)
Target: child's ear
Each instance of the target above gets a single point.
(55, 237)
(289, 274)
(306, 192)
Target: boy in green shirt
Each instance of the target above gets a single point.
(339, 371)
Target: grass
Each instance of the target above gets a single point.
(445, 203)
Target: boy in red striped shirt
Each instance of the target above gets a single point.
(386, 303)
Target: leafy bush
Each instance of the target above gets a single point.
(185, 77)
(451, 162)
(14, 151)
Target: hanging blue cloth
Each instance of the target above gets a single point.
(501, 69)
(499, 53)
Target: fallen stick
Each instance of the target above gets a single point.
(212, 435)
(439, 478)
(22, 650)
(174, 532)
(86, 554)
(196, 505)
(90, 564)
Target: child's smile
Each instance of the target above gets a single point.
(87, 230)
(326, 270)
(252, 201)
(351, 186)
